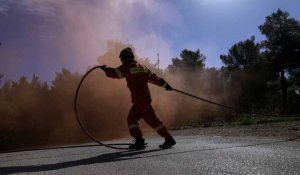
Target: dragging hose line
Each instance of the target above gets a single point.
(78, 118)
(224, 106)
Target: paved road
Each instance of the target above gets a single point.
(192, 155)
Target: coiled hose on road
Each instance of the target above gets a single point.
(113, 146)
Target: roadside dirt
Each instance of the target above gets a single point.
(281, 130)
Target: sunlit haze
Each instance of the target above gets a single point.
(42, 37)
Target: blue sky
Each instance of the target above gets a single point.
(41, 37)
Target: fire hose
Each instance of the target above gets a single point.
(225, 106)
(79, 120)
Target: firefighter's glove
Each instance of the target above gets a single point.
(168, 87)
(104, 67)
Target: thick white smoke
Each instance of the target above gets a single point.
(72, 33)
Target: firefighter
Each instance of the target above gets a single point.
(137, 77)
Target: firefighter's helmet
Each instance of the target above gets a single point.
(126, 55)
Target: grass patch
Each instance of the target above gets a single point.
(249, 119)
(243, 119)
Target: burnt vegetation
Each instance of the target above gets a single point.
(257, 76)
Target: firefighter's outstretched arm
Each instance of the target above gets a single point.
(165, 85)
(104, 67)
(112, 72)
(159, 81)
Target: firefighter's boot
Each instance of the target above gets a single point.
(169, 142)
(138, 144)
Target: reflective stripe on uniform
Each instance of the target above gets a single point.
(133, 126)
(159, 127)
(118, 72)
(165, 84)
(137, 70)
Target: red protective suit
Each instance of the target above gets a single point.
(137, 78)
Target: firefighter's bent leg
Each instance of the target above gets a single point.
(133, 125)
(150, 118)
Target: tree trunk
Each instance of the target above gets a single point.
(283, 92)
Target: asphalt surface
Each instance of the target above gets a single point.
(191, 155)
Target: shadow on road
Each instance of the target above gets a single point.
(114, 157)
(109, 157)
(122, 145)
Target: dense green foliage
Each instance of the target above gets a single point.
(188, 61)
(282, 50)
